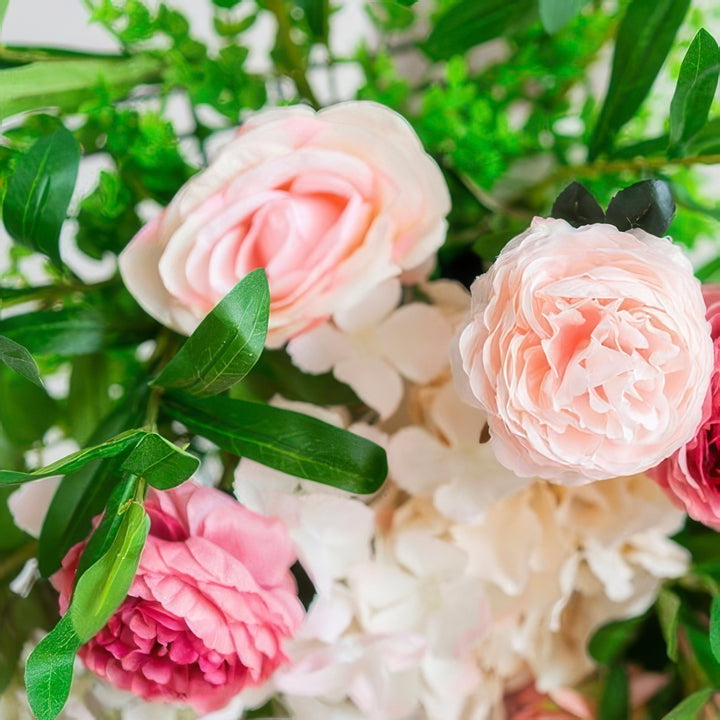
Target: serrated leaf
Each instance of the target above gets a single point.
(288, 441)
(161, 463)
(576, 205)
(611, 640)
(49, 670)
(39, 192)
(644, 38)
(471, 22)
(555, 14)
(695, 88)
(648, 205)
(668, 612)
(76, 460)
(16, 357)
(689, 708)
(226, 344)
(104, 585)
(615, 699)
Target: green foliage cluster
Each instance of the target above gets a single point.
(501, 94)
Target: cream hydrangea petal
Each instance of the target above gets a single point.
(374, 381)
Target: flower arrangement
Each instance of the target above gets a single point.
(370, 380)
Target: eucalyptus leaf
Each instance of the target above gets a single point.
(471, 22)
(49, 670)
(695, 88)
(15, 356)
(555, 14)
(226, 344)
(644, 39)
(648, 205)
(104, 585)
(615, 699)
(668, 611)
(576, 205)
(691, 706)
(161, 463)
(39, 191)
(77, 459)
(294, 443)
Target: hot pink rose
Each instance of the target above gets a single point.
(691, 477)
(329, 203)
(589, 350)
(209, 607)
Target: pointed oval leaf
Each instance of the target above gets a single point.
(576, 205)
(644, 39)
(615, 699)
(161, 463)
(294, 443)
(226, 344)
(15, 356)
(668, 611)
(691, 706)
(695, 88)
(39, 192)
(555, 14)
(648, 205)
(49, 670)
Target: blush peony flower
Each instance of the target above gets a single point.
(329, 203)
(691, 476)
(589, 350)
(210, 605)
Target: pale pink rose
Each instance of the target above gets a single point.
(329, 203)
(211, 603)
(589, 350)
(691, 477)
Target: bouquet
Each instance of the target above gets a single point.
(361, 361)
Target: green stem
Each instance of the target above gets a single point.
(16, 560)
(17, 55)
(296, 66)
(603, 167)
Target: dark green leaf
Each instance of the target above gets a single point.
(76, 330)
(67, 83)
(472, 22)
(695, 88)
(88, 399)
(104, 585)
(700, 643)
(715, 627)
(609, 642)
(161, 463)
(77, 459)
(648, 205)
(576, 205)
(644, 39)
(689, 708)
(26, 410)
(226, 344)
(288, 441)
(668, 611)
(317, 15)
(19, 359)
(39, 192)
(49, 670)
(555, 14)
(615, 699)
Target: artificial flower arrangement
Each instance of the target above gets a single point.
(376, 413)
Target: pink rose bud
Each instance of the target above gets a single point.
(588, 349)
(691, 477)
(210, 605)
(329, 203)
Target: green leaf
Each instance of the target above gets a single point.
(668, 611)
(226, 344)
(49, 670)
(471, 22)
(577, 205)
(695, 88)
(644, 39)
(39, 192)
(77, 459)
(317, 15)
(648, 204)
(611, 640)
(26, 410)
(615, 699)
(67, 83)
(15, 356)
(288, 441)
(700, 643)
(161, 463)
(76, 330)
(3, 9)
(555, 14)
(105, 584)
(715, 627)
(689, 708)
(88, 399)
